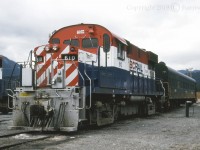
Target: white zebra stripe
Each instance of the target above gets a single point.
(39, 50)
(71, 76)
(65, 51)
(48, 56)
(44, 75)
(49, 69)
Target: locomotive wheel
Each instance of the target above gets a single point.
(143, 111)
(167, 105)
(116, 112)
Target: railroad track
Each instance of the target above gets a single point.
(16, 139)
(36, 138)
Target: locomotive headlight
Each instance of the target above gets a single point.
(47, 48)
(72, 49)
(53, 81)
(55, 48)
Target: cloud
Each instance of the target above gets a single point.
(168, 28)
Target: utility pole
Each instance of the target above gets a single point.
(189, 72)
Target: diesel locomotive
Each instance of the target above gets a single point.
(88, 75)
(9, 79)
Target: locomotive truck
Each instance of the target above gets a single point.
(86, 75)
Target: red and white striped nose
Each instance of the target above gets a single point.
(71, 75)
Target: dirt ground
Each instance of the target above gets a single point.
(162, 132)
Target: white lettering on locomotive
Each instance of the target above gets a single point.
(67, 57)
(80, 32)
(135, 66)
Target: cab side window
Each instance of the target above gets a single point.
(90, 43)
(106, 43)
(39, 59)
(55, 41)
(120, 51)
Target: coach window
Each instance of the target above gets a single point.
(72, 42)
(90, 43)
(55, 41)
(129, 48)
(120, 51)
(0, 63)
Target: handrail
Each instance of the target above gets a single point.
(58, 94)
(9, 98)
(162, 87)
(90, 78)
(167, 83)
(90, 84)
(83, 104)
(11, 92)
(79, 73)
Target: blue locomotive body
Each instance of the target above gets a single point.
(112, 80)
(9, 79)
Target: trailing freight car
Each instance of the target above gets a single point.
(179, 88)
(9, 79)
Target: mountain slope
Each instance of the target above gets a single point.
(195, 75)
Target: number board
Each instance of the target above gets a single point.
(70, 57)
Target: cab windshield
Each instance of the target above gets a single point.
(73, 42)
(55, 41)
(90, 43)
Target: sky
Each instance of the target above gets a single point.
(171, 28)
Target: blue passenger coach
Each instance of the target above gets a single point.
(9, 79)
(179, 88)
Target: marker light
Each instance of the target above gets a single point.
(55, 48)
(47, 48)
(72, 49)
